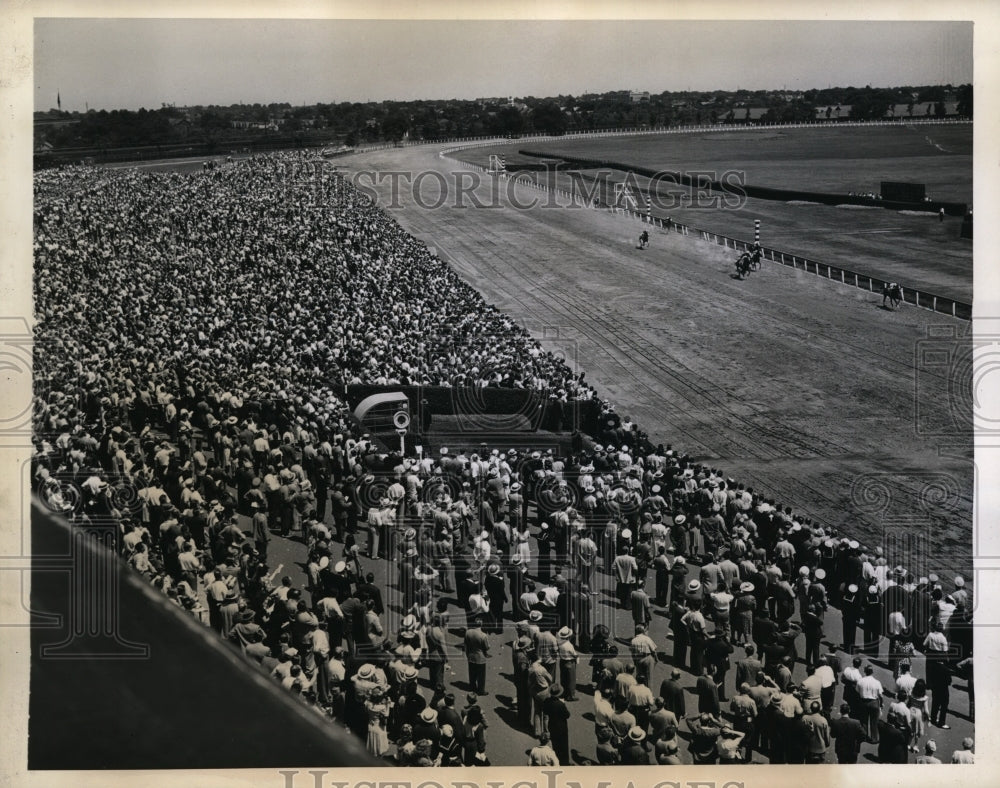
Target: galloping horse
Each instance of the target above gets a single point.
(744, 265)
(892, 292)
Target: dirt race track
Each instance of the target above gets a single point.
(910, 247)
(794, 385)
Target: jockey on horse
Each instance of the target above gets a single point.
(743, 265)
(893, 292)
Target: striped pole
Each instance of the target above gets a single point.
(756, 231)
(503, 164)
(649, 209)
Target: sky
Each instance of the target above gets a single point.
(133, 63)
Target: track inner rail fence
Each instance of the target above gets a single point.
(844, 276)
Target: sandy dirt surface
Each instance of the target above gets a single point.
(913, 248)
(805, 389)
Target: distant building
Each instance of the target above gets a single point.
(638, 97)
(833, 112)
(740, 113)
(262, 125)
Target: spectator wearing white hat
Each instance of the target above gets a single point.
(929, 758)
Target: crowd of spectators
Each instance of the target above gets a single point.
(192, 332)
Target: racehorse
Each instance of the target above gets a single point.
(744, 265)
(892, 292)
(644, 240)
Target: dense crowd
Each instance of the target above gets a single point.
(192, 330)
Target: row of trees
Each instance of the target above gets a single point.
(355, 122)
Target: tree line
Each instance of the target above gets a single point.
(356, 123)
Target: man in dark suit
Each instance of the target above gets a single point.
(748, 667)
(496, 590)
(673, 694)
(368, 590)
(449, 715)
(477, 652)
(848, 735)
(466, 587)
(557, 713)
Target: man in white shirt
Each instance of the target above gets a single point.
(906, 679)
(870, 694)
(828, 682)
(603, 711)
(938, 674)
(965, 755)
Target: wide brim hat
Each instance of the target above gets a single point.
(565, 633)
(747, 588)
(428, 715)
(636, 733)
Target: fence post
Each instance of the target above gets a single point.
(934, 303)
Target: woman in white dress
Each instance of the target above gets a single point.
(378, 713)
(522, 546)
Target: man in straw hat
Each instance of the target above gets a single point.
(568, 659)
(635, 750)
(557, 714)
